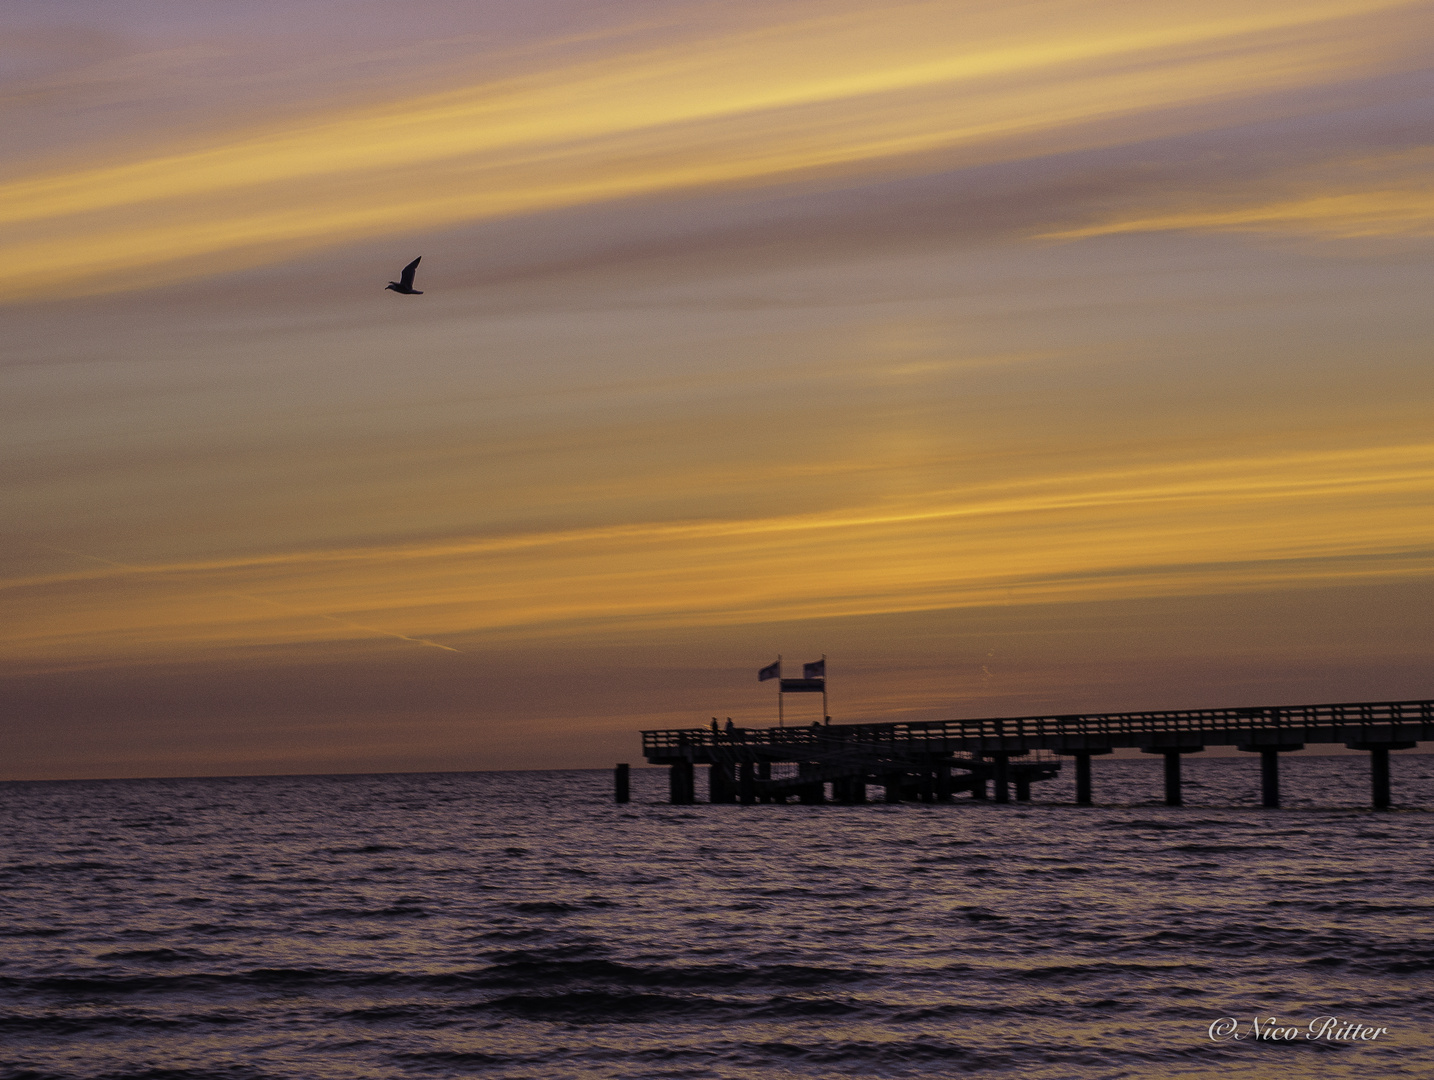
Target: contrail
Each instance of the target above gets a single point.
(266, 600)
(342, 622)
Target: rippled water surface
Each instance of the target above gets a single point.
(521, 925)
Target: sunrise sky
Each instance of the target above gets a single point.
(1021, 357)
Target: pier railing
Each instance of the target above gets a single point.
(1127, 728)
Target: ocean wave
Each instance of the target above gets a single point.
(520, 974)
(82, 866)
(599, 1006)
(18, 1026)
(157, 956)
(395, 911)
(537, 972)
(14, 1072)
(466, 1060)
(1116, 972)
(854, 1055)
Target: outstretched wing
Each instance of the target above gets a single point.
(408, 271)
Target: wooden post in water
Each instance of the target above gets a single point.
(1023, 788)
(1379, 777)
(1172, 778)
(1270, 769)
(1270, 776)
(1173, 795)
(1082, 762)
(892, 782)
(747, 782)
(681, 783)
(813, 792)
(1082, 769)
(1002, 777)
(1379, 767)
(943, 782)
(619, 784)
(720, 783)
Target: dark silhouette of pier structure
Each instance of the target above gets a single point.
(933, 760)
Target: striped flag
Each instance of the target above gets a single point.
(804, 686)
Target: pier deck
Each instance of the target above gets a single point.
(932, 759)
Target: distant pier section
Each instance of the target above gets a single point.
(934, 760)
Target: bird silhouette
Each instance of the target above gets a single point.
(404, 284)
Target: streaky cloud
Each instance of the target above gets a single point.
(1387, 196)
(838, 99)
(1180, 528)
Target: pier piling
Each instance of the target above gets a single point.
(813, 792)
(620, 792)
(681, 783)
(720, 783)
(849, 790)
(1379, 767)
(1270, 777)
(1379, 777)
(747, 782)
(943, 783)
(1270, 769)
(1082, 769)
(1082, 763)
(1001, 775)
(1173, 794)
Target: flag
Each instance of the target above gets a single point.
(804, 686)
(771, 671)
(817, 669)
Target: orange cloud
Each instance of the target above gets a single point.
(1177, 528)
(854, 94)
(1384, 197)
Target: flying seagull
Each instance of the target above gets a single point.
(405, 283)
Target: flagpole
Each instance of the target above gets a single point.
(780, 721)
(826, 716)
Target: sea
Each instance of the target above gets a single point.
(522, 925)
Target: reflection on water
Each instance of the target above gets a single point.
(521, 925)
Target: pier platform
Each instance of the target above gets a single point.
(932, 760)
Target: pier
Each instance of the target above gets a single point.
(934, 760)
